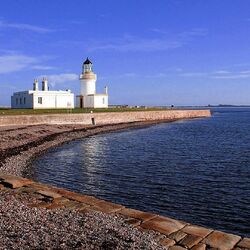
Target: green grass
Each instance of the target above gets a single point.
(8, 111)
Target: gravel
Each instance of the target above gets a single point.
(22, 227)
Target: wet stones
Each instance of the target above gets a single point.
(163, 225)
(222, 240)
(14, 181)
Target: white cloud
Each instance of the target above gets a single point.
(124, 75)
(236, 76)
(190, 35)
(194, 74)
(157, 75)
(159, 31)
(137, 44)
(60, 78)
(231, 75)
(175, 69)
(23, 26)
(129, 74)
(13, 62)
(219, 74)
(43, 67)
(164, 42)
(245, 72)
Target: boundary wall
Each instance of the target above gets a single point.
(102, 118)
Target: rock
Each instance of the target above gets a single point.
(196, 230)
(15, 182)
(199, 247)
(49, 193)
(222, 241)
(190, 241)
(244, 243)
(163, 225)
(133, 222)
(177, 236)
(177, 248)
(107, 207)
(166, 242)
(143, 216)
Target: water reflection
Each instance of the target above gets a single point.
(92, 161)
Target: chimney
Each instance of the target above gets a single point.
(45, 84)
(106, 90)
(35, 85)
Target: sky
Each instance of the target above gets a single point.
(161, 52)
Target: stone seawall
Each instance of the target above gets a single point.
(169, 233)
(102, 118)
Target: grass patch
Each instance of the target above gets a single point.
(8, 111)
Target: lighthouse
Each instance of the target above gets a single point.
(88, 97)
(87, 79)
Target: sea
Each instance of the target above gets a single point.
(195, 170)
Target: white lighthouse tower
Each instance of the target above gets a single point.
(87, 79)
(88, 97)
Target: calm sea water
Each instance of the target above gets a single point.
(194, 170)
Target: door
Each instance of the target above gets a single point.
(81, 102)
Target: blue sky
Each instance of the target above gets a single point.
(161, 52)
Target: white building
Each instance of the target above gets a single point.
(42, 99)
(88, 97)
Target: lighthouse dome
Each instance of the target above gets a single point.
(87, 61)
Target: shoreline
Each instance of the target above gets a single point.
(129, 228)
(16, 158)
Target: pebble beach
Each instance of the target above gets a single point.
(24, 227)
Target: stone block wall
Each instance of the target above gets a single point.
(101, 118)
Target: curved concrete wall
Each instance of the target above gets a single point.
(102, 118)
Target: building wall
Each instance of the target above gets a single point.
(93, 101)
(78, 101)
(89, 101)
(23, 100)
(102, 118)
(48, 99)
(53, 99)
(88, 86)
(101, 101)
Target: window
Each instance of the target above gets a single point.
(103, 100)
(40, 100)
(16, 101)
(21, 101)
(24, 100)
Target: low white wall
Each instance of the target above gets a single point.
(102, 118)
